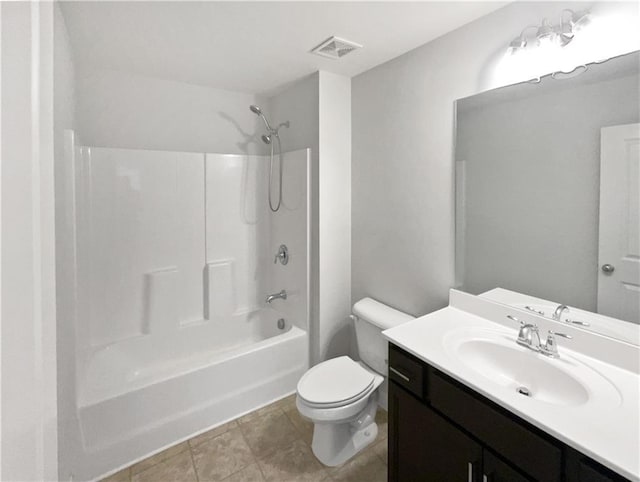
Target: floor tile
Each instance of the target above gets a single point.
(249, 417)
(382, 420)
(214, 432)
(222, 456)
(159, 457)
(121, 476)
(302, 425)
(286, 403)
(364, 467)
(248, 474)
(380, 447)
(178, 468)
(272, 443)
(293, 464)
(269, 433)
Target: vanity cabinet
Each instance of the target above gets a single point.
(452, 454)
(496, 470)
(440, 430)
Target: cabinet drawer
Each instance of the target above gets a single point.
(514, 441)
(406, 370)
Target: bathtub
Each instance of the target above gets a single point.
(170, 334)
(138, 396)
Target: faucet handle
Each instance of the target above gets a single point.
(578, 322)
(550, 348)
(513, 318)
(562, 335)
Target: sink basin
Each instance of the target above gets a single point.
(563, 382)
(512, 367)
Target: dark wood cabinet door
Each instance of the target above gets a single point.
(425, 447)
(580, 468)
(495, 470)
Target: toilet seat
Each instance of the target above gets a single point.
(335, 383)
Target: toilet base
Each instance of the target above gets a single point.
(335, 443)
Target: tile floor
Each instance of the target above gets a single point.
(272, 444)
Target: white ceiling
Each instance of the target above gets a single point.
(255, 47)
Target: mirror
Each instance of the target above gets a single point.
(547, 196)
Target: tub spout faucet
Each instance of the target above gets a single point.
(281, 296)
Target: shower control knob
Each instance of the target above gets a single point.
(608, 268)
(282, 255)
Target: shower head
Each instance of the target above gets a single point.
(258, 111)
(266, 139)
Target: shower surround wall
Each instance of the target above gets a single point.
(175, 256)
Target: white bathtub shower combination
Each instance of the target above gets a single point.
(174, 257)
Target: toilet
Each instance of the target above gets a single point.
(341, 396)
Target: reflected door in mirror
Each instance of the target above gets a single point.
(619, 246)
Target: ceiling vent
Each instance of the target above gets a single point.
(335, 47)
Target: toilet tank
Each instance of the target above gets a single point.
(371, 318)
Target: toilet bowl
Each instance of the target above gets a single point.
(341, 395)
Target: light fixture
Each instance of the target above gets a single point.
(545, 33)
(571, 24)
(566, 47)
(579, 19)
(565, 33)
(516, 44)
(561, 35)
(520, 42)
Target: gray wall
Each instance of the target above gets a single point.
(318, 108)
(532, 187)
(402, 158)
(334, 216)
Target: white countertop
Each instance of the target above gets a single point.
(607, 430)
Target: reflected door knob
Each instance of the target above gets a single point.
(608, 268)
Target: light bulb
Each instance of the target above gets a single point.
(516, 44)
(545, 34)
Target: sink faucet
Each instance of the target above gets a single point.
(529, 337)
(282, 296)
(557, 315)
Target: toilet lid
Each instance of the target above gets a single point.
(336, 380)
